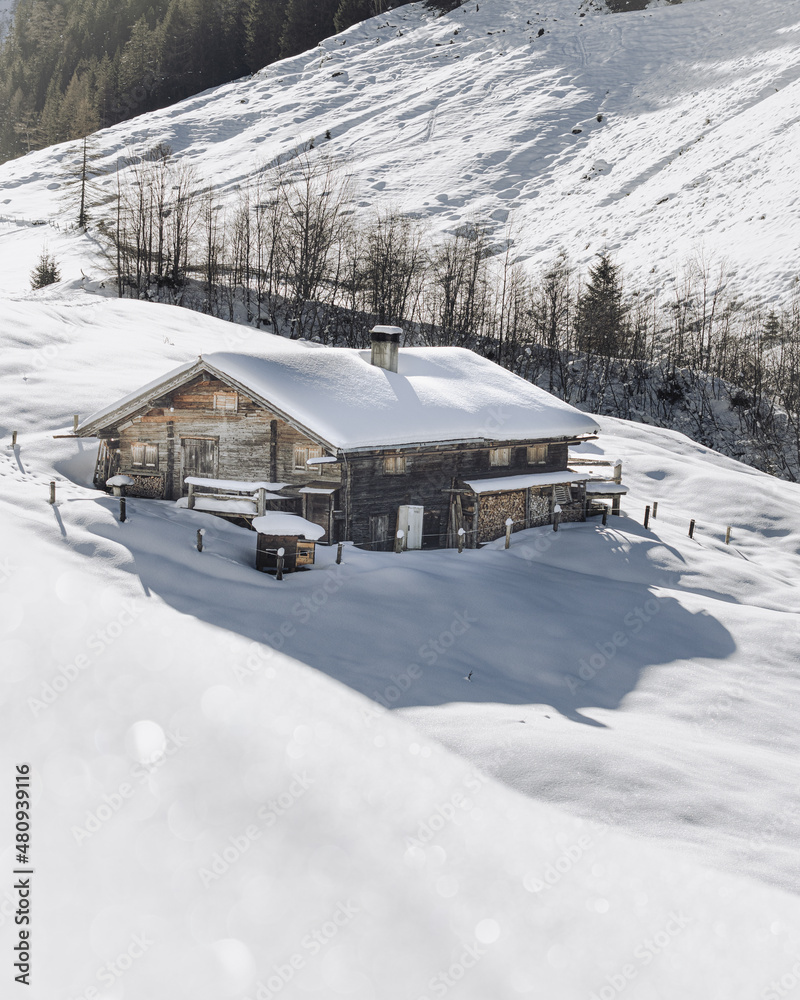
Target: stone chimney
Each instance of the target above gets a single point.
(385, 347)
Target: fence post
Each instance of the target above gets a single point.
(190, 501)
(556, 516)
(279, 573)
(339, 548)
(605, 514)
(398, 540)
(691, 528)
(647, 516)
(13, 439)
(728, 535)
(200, 539)
(262, 501)
(655, 509)
(122, 513)
(461, 535)
(52, 493)
(617, 473)
(509, 526)
(75, 422)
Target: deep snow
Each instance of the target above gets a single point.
(232, 771)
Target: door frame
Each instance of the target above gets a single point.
(198, 437)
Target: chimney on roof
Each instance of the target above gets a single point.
(385, 347)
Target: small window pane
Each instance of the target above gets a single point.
(394, 465)
(226, 401)
(537, 454)
(500, 456)
(137, 454)
(151, 456)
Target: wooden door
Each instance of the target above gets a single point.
(379, 533)
(199, 457)
(318, 510)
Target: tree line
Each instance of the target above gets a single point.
(70, 67)
(289, 255)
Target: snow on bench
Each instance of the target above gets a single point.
(218, 505)
(233, 485)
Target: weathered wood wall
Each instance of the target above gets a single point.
(430, 475)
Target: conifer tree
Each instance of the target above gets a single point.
(46, 271)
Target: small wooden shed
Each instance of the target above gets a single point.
(288, 534)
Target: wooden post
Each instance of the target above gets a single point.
(615, 506)
(75, 422)
(200, 539)
(556, 516)
(122, 513)
(617, 474)
(398, 540)
(728, 535)
(262, 501)
(279, 573)
(13, 439)
(691, 528)
(461, 536)
(647, 516)
(339, 548)
(509, 526)
(190, 503)
(605, 514)
(52, 493)
(655, 509)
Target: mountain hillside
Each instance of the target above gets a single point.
(659, 134)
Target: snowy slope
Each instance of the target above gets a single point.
(475, 115)
(243, 782)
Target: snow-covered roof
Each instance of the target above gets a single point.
(438, 394)
(278, 523)
(505, 484)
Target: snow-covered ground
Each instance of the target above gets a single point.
(660, 134)
(246, 788)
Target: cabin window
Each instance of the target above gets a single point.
(226, 401)
(537, 454)
(394, 465)
(144, 456)
(302, 453)
(500, 456)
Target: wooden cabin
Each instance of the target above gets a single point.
(359, 442)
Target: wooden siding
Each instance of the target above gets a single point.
(431, 474)
(251, 443)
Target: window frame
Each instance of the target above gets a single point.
(146, 450)
(495, 455)
(542, 449)
(395, 465)
(310, 451)
(226, 394)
